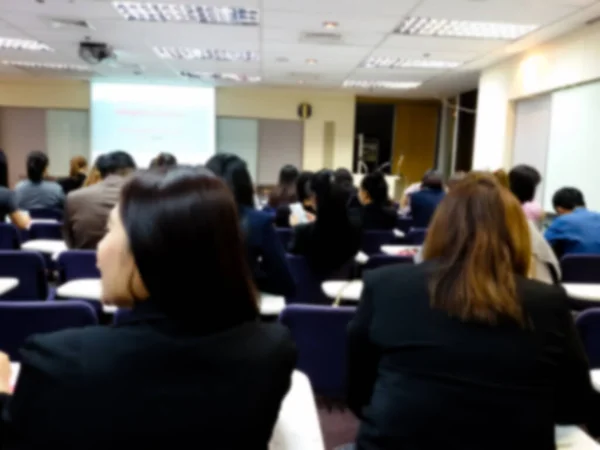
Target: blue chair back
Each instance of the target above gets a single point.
(416, 236)
(320, 336)
(404, 224)
(9, 237)
(46, 231)
(377, 261)
(30, 269)
(372, 240)
(308, 285)
(285, 236)
(588, 324)
(20, 320)
(46, 213)
(76, 264)
(580, 268)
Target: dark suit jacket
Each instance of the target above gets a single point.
(326, 250)
(420, 379)
(377, 217)
(266, 254)
(150, 384)
(423, 204)
(87, 211)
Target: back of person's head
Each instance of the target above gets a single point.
(343, 177)
(163, 160)
(375, 187)
(303, 186)
(432, 180)
(330, 198)
(479, 240)
(172, 232)
(285, 191)
(523, 181)
(567, 199)
(234, 171)
(77, 165)
(502, 178)
(455, 178)
(37, 163)
(288, 175)
(117, 163)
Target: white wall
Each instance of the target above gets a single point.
(570, 60)
(67, 135)
(240, 137)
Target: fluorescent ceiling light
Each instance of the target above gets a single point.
(211, 76)
(189, 53)
(424, 26)
(401, 63)
(172, 12)
(48, 66)
(23, 44)
(381, 84)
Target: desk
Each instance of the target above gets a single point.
(394, 250)
(350, 290)
(588, 292)
(50, 246)
(271, 305)
(8, 284)
(573, 438)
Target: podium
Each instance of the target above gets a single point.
(395, 185)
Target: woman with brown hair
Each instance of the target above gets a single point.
(77, 174)
(464, 351)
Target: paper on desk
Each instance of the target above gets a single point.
(573, 438)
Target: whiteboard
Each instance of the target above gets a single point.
(574, 146)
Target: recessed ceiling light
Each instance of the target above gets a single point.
(311, 61)
(364, 84)
(49, 66)
(23, 44)
(330, 25)
(189, 53)
(213, 76)
(401, 63)
(172, 12)
(424, 26)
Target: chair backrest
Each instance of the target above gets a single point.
(46, 231)
(580, 268)
(372, 240)
(320, 336)
(416, 236)
(9, 237)
(285, 236)
(20, 320)
(404, 223)
(308, 284)
(588, 324)
(46, 213)
(77, 264)
(377, 261)
(30, 269)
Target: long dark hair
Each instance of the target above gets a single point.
(234, 171)
(285, 191)
(184, 234)
(332, 211)
(375, 185)
(37, 163)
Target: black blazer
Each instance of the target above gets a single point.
(419, 379)
(150, 383)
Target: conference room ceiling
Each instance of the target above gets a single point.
(322, 44)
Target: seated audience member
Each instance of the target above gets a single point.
(303, 211)
(191, 347)
(454, 179)
(464, 351)
(265, 253)
(163, 160)
(576, 230)
(94, 176)
(87, 209)
(332, 240)
(8, 208)
(77, 175)
(344, 179)
(524, 180)
(35, 192)
(377, 211)
(424, 201)
(283, 195)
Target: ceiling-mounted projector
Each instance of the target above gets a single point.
(95, 52)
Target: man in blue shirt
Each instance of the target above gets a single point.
(576, 230)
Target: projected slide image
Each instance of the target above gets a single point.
(146, 120)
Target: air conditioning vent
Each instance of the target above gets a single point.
(79, 24)
(321, 38)
(304, 76)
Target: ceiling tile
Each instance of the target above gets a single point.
(382, 8)
(434, 44)
(292, 36)
(346, 22)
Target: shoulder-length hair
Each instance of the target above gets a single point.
(233, 170)
(480, 241)
(76, 164)
(185, 237)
